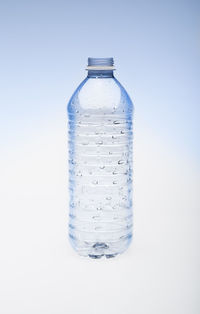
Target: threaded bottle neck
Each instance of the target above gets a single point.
(100, 67)
(101, 62)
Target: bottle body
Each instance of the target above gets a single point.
(100, 167)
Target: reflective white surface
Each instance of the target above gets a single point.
(40, 273)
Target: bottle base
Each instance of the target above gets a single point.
(98, 256)
(97, 250)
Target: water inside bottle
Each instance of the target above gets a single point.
(100, 167)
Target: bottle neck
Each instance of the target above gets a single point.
(100, 73)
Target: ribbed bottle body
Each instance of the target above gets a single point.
(100, 168)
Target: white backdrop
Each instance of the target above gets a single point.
(40, 273)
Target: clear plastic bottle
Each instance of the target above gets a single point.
(100, 163)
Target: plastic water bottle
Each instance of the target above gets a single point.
(100, 163)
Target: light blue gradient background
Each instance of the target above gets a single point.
(44, 50)
(45, 45)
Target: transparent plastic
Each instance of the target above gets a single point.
(100, 116)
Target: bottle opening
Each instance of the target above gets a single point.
(100, 64)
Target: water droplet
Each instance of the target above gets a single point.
(85, 143)
(108, 198)
(79, 174)
(122, 132)
(114, 172)
(99, 142)
(99, 208)
(114, 182)
(114, 137)
(77, 111)
(110, 153)
(120, 162)
(95, 182)
(102, 167)
(116, 122)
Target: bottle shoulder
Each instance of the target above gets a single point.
(99, 95)
(125, 95)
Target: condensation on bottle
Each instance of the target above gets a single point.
(100, 127)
